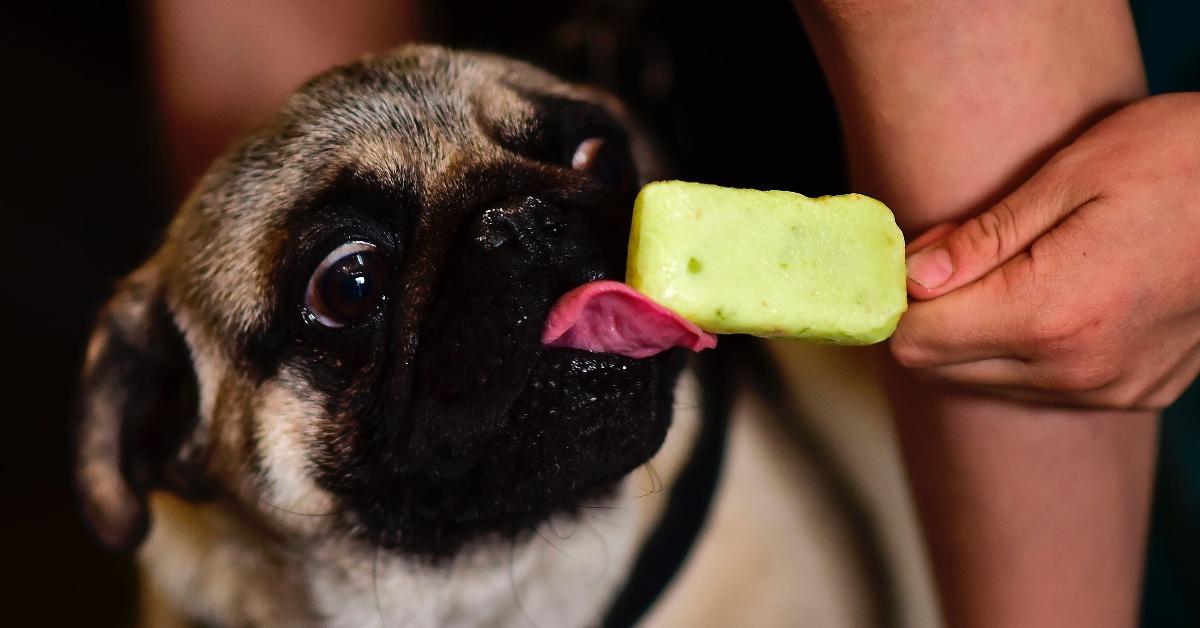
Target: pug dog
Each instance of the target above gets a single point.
(324, 400)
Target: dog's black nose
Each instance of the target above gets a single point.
(528, 222)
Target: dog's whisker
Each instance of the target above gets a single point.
(294, 512)
(598, 506)
(656, 483)
(552, 544)
(601, 512)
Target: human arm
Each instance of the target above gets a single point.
(221, 66)
(1034, 514)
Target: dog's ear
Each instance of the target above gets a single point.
(137, 411)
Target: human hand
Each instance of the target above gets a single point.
(1082, 287)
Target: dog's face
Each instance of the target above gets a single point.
(345, 317)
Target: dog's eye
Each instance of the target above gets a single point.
(346, 285)
(605, 159)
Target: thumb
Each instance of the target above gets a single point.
(988, 240)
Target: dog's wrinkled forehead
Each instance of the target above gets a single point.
(410, 122)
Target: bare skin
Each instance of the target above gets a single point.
(1034, 507)
(222, 66)
(1098, 255)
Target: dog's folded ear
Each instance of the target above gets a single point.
(137, 413)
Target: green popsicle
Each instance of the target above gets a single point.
(775, 264)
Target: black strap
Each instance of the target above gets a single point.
(689, 503)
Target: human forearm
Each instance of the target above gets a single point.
(1034, 515)
(222, 65)
(946, 105)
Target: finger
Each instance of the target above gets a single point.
(988, 240)
(987, 319)
(933, 235)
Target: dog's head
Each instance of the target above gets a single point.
(345, 317)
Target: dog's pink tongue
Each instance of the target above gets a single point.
(611, 317)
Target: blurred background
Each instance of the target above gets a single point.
(114, 108)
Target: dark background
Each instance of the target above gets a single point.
(82, 199)
(85, 194)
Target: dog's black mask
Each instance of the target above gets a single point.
(446, 420)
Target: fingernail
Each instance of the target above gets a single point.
(930, 267)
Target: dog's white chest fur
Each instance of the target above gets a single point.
(564, 576)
